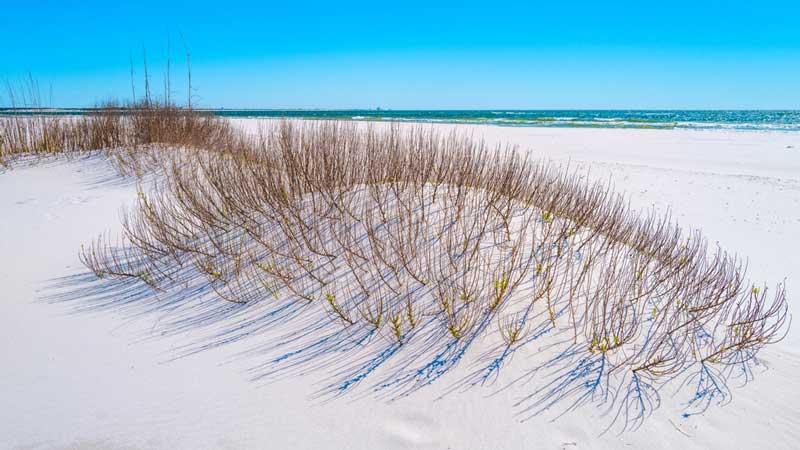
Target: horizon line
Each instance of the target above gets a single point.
(381, 109)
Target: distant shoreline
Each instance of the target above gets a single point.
(748, 120)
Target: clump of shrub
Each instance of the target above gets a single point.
(402, 255)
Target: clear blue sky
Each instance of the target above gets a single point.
(411, 55)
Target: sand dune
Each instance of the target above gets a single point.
(104, 380)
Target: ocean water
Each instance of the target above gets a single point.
(672, 119)
(763, 120)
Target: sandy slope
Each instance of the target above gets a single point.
(88, 380)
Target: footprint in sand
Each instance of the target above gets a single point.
(27, 201)
(74, 199)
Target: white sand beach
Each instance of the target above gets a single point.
(107, 380)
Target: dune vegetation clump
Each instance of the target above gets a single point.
(111, 127)
(390, 258)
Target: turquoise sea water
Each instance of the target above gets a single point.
(726, 120)
(667, 119)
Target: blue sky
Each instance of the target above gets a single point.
(412, 55)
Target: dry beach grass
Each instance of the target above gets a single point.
(391, 257)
